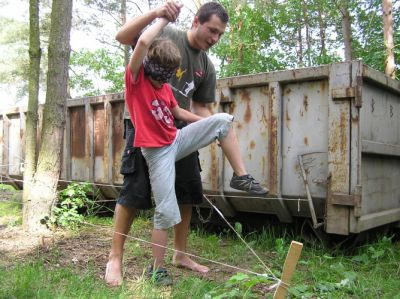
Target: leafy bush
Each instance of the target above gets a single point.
(71, 201)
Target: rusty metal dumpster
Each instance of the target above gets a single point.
(324, 140)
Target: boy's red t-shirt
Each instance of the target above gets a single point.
(149, 109)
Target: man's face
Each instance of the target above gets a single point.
(207, 34)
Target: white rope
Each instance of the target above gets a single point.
(271, 277)
(10, 180)
(240, 237)
(182, 252)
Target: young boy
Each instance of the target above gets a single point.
(152, 108)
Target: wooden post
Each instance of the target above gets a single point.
(288, 269)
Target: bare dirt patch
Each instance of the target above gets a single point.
(87, 250)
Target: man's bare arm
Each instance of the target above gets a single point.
(130, 30)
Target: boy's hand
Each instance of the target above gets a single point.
(169, 10)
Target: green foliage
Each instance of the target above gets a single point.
(375, 252)
(239, 285)
(14, 58)
(281, 247)
(67, 213)
(5, 187)
(96, 72)
(10, 209)
(371, 271)
(14, 46)
(245, 46)
(10, 214)
(239, 228)
(266, 36)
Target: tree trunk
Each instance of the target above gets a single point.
(300, 43)
(307, 28)
(32, 113)
(322, 28)
(123, 21)
(388, 37)
(346, 25)
(44, 188)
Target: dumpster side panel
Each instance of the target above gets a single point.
(15, 145)
(339, 144)
(118, 143)
(380, 151)
(251, 109)
(305, 132)
(3, 169)
(79, 169)
(100, 135)
(342, 119)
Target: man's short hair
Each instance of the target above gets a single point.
(212, 8)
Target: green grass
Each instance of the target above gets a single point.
(35, 280)
(370, 271)
(10, 210)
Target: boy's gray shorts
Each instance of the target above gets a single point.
(135, 191)
(161, 163)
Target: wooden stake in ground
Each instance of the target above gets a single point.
(288, 269)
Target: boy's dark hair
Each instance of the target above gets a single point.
(212, 8)
(164, 52)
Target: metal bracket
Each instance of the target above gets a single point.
(225, 96)
(342, 199)
(351, 200)
(354, 93)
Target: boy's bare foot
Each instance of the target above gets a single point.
(186, 262)
(113, 276)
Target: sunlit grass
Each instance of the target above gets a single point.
(370, 271)
(10, 206)
(35, 280)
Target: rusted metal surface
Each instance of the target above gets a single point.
(79, 169)
(116, 139)
(100, 147)
(99, 128)
(3, 142)
(78, 131)
(343, 119)
(15, 146)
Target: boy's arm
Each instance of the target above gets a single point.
(143, 44)
(184, 115)
(130, 30)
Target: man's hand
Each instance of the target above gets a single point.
(169, 10)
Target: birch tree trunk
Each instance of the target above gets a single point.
(43, 192)
(307, 28)
(322, 28)
(346, 25)
(123, 21)
(300, 43)
(32, 113)
(388, 37)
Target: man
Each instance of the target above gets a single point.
(194, 88)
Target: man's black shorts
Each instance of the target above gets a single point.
(136, 190)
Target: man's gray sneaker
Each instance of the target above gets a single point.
(247, 183)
